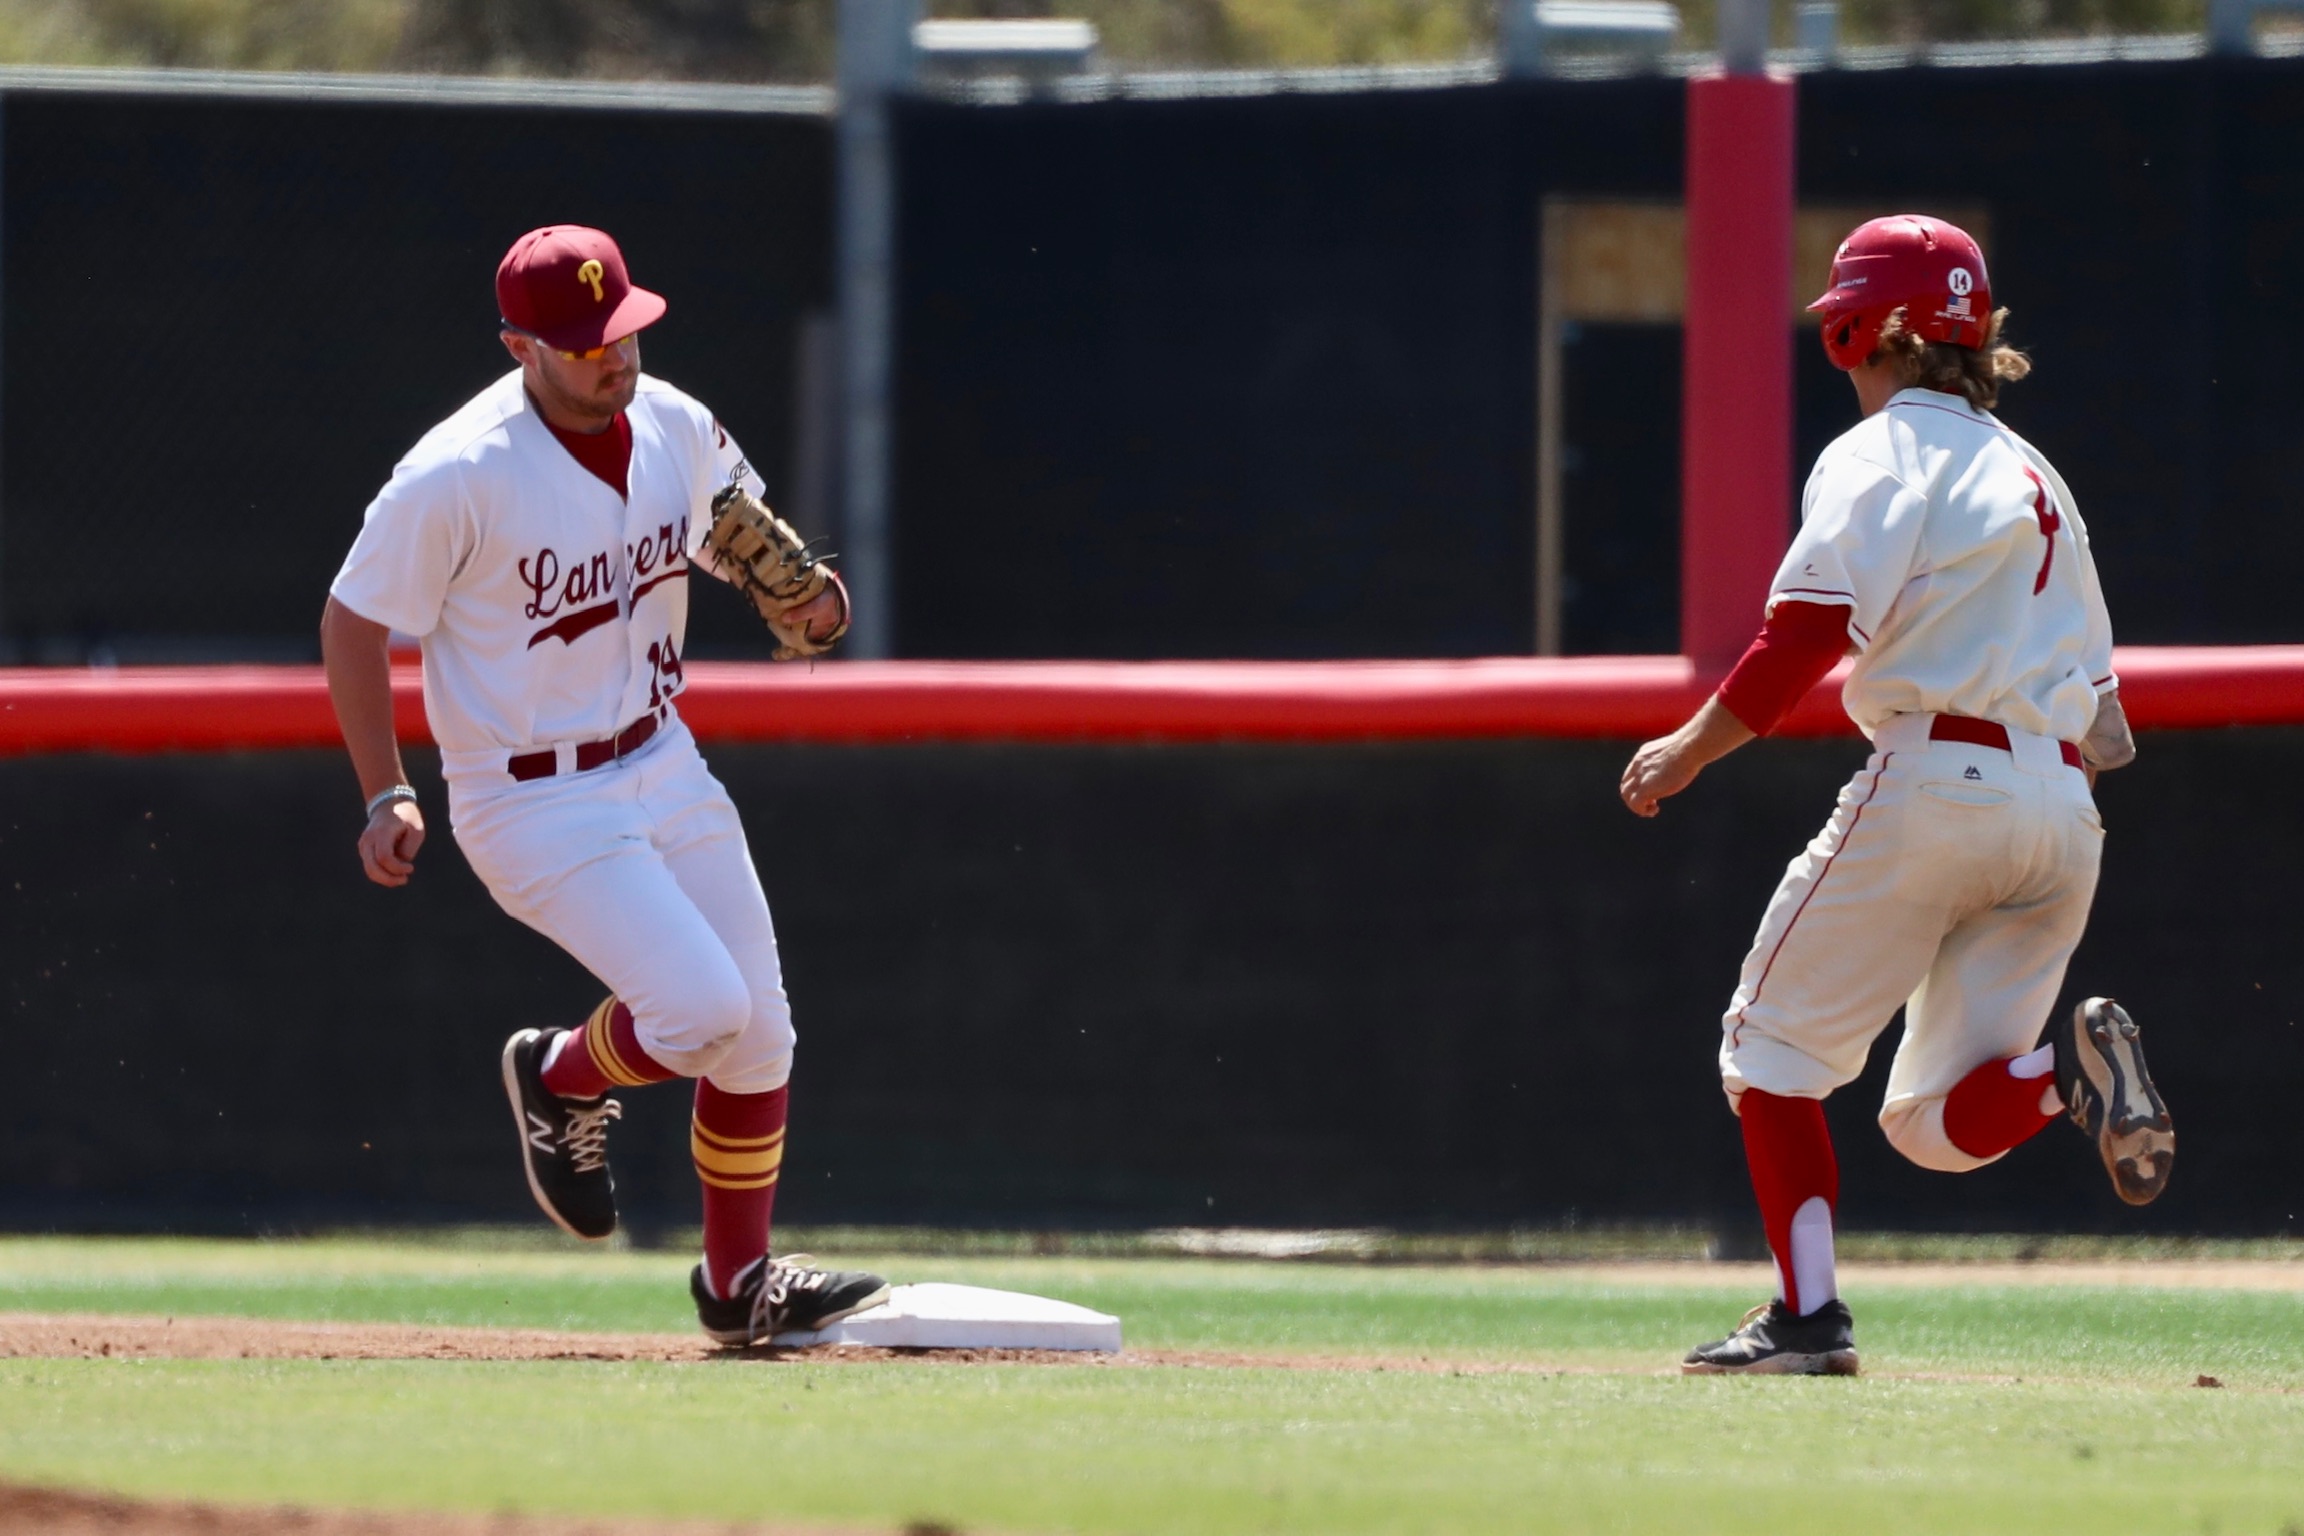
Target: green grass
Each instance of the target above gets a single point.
(2103, 1430)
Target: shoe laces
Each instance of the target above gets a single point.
(779, 1278)
(586, 1137)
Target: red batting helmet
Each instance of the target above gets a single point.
(1931, 270)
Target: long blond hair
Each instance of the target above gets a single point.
(1973, 372)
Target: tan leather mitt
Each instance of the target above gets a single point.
(766, 557)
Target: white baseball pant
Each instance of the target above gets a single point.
(1953, 880)
(639, 869)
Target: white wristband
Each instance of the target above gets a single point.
(387, 796)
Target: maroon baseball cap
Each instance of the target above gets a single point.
(567, 284)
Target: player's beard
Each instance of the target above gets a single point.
(615, 391)
(610, 393)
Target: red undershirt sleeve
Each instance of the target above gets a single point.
(1794, 649)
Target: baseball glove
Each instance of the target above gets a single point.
(765, 557)
(2109, 743)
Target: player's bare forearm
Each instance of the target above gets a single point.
(355, 652)
(1669, 764)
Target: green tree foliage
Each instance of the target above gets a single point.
(679, 39)
(1264, 33)
(1918, 21)
(329, 35)
(794, 39)
(1308, 33)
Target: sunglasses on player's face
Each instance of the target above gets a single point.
(588, 355)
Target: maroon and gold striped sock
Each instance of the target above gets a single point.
(737, 1140)
(603, 1053)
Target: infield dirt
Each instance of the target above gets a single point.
(25, 1335)
(79, 1335)
(1264, 1371)
(27, 1511)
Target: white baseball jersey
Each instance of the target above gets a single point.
(1953, 879)
(550, 609)
(1965, 565)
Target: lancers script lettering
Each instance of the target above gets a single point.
(580, 595)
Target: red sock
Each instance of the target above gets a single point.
(738, 1143)
(603, 1053)
(1992, 1109)
(1790, 1152)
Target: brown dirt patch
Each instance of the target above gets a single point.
(84, 1335)
(90, 1336)
(28, 1511)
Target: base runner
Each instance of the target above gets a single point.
(538, 543)
(1954, 878)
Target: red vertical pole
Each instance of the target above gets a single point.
(1736, 380)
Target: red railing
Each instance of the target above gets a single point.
(205, 709)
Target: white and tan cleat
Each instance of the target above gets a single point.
(2109, 1095)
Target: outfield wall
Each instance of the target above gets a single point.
(1202, 368)
(1205, 377)
(1202, 377)
(1414, 982)
(225, 315)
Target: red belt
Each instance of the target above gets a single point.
(592, 754)
(1987, 733)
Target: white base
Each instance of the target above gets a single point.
(937, 1316)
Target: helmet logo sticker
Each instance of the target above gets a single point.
(591, 272)
(1962, 281)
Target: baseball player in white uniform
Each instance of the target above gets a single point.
(1954, 877)
(538, 544)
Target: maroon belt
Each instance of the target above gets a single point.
(1987, 733)
(589, 754)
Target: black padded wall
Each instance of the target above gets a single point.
(223, 321)
(1210, 377)
(1426, 984)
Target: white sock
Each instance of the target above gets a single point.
(552, 1051)
(2037, 1063)
(1813, 1271)
(2040, 1063)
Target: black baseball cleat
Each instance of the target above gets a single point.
(1772, 1342)
(2100, 1073)
(783, 1296)
(563, 1142)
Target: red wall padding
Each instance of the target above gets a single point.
(155, 709)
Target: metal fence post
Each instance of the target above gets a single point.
(1743, 36)
(2231, 26)
(875, 62)
(1520, 41)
